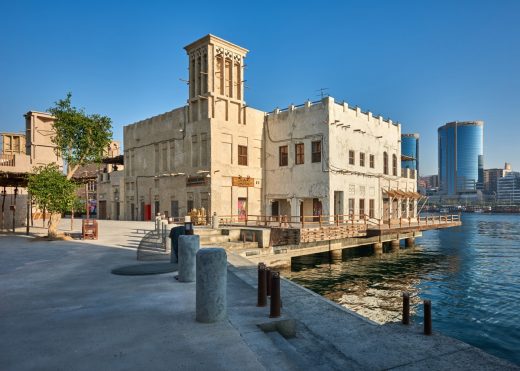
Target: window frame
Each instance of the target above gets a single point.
(362, 159)
(372, 161)
(351, 157)
(283, 155)
(241, 156)
(316, 152)
(385, 163)
(299, 153)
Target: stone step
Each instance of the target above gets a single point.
(238, 245)
(208, 232)
(204, 240)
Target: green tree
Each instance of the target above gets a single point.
(80, 138)
(53, 191)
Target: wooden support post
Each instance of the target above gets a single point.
(14, 209)
(262, 286)
(406, 308)
(427, 317)
(276, 301)
(87, 204)
(28, 216)
(32, 217)
(4, 193)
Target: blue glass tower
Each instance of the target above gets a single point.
(461, 157)
(410, 151)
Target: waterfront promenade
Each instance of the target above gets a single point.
(62, 309)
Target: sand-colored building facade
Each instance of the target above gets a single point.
(219, 154)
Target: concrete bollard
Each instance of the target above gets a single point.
(406, 308)
(188, 247)
(262, 286)
(164, 227)
(427, 317)
(157, 221)
(211, 286)
(214, 221)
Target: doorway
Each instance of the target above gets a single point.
(242, 208)
(102, 210)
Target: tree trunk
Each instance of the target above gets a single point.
(54, 220)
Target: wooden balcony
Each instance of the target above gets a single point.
(7, 160)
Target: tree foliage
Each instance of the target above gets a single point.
(51, 189)
(80, 138)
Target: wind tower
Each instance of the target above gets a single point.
(216, 79)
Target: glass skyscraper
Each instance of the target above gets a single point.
(461, 164)
(410, 151)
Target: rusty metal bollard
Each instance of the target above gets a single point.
(262, 286)
(276, 302)
(427, 317)
(406, 308)
(269, 277)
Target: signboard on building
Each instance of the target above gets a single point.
(238, 181)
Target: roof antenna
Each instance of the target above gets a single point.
(323, 94)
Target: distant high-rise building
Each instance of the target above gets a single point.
(508, 188)
(491, 177)
(461, 162)
(410, 151)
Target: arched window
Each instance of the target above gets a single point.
(385, 163)
(394, 165)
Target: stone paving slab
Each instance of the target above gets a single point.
(62, 309)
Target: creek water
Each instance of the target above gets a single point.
(470, 273)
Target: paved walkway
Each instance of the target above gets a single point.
(62, 310)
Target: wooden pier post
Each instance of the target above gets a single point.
(336, 254)
(409, 242)
(378, 248)
(394, 245)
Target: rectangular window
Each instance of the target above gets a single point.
(300, 155)
(164, 157)
(316, 151)
(394, 165)
(283, 158)
(372, 161)
(351, 158)
(371, 208)
(242, 155)
(351, 205)
(361, 159)
(194, 151)
(157, 159)
(172, 155)
(361, 207)
(204, 148)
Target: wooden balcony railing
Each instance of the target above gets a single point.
(7, 160)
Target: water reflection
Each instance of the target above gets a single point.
(471, 274)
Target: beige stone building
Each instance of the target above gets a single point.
(326, 158)
(198, 155)
(20, 154)
(111, 185)
(220, 154)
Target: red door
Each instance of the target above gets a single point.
(147, 212)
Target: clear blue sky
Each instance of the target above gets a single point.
(422, 63)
